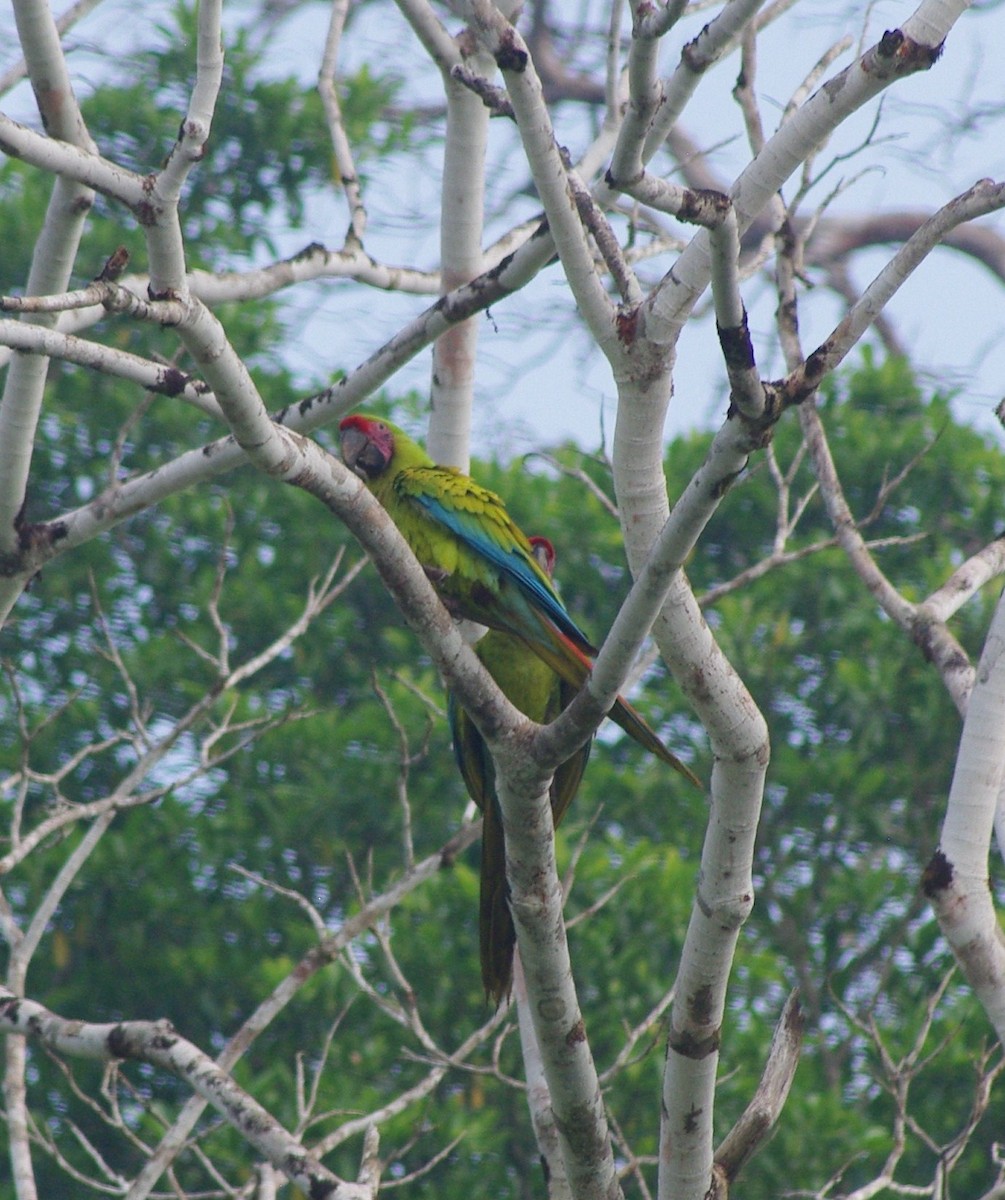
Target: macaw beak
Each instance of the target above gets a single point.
(361, 455)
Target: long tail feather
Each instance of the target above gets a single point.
(633, 723)
(497, 935)
(569, 662)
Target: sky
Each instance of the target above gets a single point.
(538, 378)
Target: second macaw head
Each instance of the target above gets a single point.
(544, 552)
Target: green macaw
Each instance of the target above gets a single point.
(534, 688)
(479, 560)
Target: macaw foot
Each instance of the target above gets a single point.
(435, 575)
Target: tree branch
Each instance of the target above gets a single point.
(956, 879)
(157, 1043)
(52, 256)
(984, 197)
(547, 166)
(461, 225)
(759, 1117)
(336, 126)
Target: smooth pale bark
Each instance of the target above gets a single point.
(341, 147)
(956, 880)
(461, 216)
(637, 458)
(642, 355)
(20, 407)
(560, 1031)
(52, 259)
(542, 1114)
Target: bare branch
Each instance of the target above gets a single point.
(760, 1115)
(967, 579)
(931, 636)
(984, 197)
(336, 126)
(72, 529)
(550, 174)
(542, 1114)
(955, 881)
(52, 257)
(318, 957)
(157, 1043)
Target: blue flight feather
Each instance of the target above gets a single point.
(513, 564)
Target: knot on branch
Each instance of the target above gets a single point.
(737, 347)
(33, 538)
(621, 185)
(314, 249)
(115, 264)
(937, 876)
(914, 56)
(172, 382)
(760, 429)
(805, 379)
(921, 633)
(704, 206)
(693, 56)
(690, 1045)
(511, 56)
(133, 1039)
(890, 43)
(626, 322)
(195, 133)
(149, 212)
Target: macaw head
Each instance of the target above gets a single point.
(367, 445)
(544, 552)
